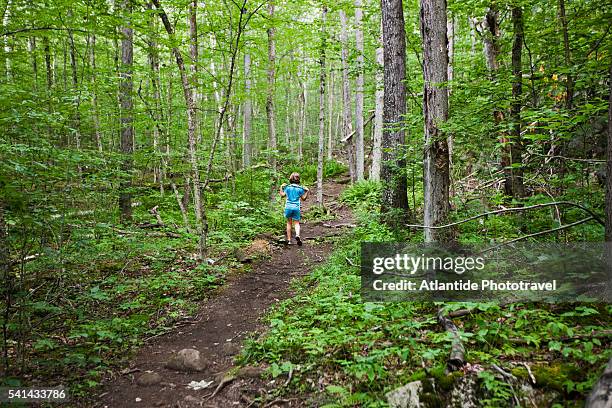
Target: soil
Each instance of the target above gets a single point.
(225, 321)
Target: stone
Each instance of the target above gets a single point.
(148, 379)
(465, 393)
(407, 396)
(186, 360)
(230, 348)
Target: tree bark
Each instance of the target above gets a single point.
(347, 122)
(126, 87)
(330, 115)
(378, 116)
(394, 206)
(75, 86)
(271, 85)
(247, 113)
(436, 177)
(609, 165)
(302, 126)
(153, 57)
(320, 151)
(359, 148)
(514, 185)
(48, 66)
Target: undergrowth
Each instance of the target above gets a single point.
(343, 352)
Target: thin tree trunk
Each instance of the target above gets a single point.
(394, 207)
(6, 18)
(302, 127)
(248, 113)
(609, 166)
(75, 86)
(450, 34)
(96, 111)
(517, 188)
(202, 224)
(126, 86)
(193, 55)
(320, 152)
(569, 86)
(347, 123)
(330, 115)
(32, 47)
(271, 85)
(359, 148)
(436, 172)
(378, 115)
(48, 66)
(153, 56)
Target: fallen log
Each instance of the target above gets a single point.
(456, 360)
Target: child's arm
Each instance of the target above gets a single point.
(305, 195)
(281, 191)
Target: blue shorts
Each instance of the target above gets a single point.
(293, 213)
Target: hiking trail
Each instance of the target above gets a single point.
(222, 324)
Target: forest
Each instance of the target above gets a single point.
(146, 152)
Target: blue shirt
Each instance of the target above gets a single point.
(293, 192)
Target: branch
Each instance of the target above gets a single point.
(562, 227)
(355, 131)
(515, 209)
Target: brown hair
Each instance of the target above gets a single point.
(294, 178)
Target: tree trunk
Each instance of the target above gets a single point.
(6, 18)
(302, 129)
(75, 87)
(248, 113)
(202, 224)
(330, 115)
(347, 122)
(32, 47)
(126, 86)
(569, 85)
(609, 167)
(359, 149)
(193, 55)
(514, 186)
(48, 66)
(94, 101)
(436, 172)
(378, 116)
(271, 84)
(153, 56)
(394, 206)
(321, 151)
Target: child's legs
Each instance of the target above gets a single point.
(289, 222)
(297, 227)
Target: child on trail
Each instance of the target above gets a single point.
(294, 193)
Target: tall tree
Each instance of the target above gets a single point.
(608, 235)
(200, 214)
(347, 121)
(569, 82)
(394, 205)
(436, 172)
(271, 85)
(379, 99)
(515, 186)
(247, 113)
(126, 88)
(359, 149)
(320, 150)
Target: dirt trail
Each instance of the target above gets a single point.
(225, 321)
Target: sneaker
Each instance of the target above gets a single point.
(299, 241)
